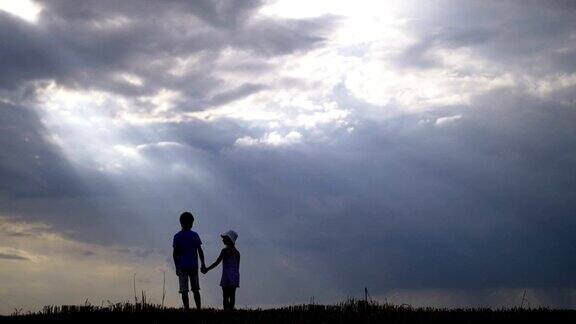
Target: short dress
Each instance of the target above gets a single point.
(230, 268)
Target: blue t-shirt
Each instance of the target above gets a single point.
(186, 244)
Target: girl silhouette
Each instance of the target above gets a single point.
(230, 258)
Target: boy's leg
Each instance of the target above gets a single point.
(197, 299)
(183, 282)
(185, 300)
(195, 287)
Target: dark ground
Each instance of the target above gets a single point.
(348, 312)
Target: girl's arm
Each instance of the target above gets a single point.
(217, 262)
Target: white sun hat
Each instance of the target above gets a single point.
(231, 235)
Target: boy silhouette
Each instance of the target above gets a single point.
(187, 249)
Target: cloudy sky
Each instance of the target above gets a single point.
(423, 149)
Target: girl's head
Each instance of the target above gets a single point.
(229, 238)
(227, 241)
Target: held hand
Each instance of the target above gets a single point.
(203, 269)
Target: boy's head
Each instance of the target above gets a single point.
(186, 220)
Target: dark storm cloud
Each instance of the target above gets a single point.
(30, 166)
(39, 184)
(222, 13)
(486, 200)
(273, 37)
(8, 256)
(23, 53)
(240, 92)
(482, 199)
(88, 254)
(528, 37)
(78, 45)
(87, 44)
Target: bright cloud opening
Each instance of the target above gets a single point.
(24, 9)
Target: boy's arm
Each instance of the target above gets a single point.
(201, 256)
(174, 257)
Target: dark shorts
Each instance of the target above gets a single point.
(185, 276)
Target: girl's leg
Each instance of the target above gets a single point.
(232, 297)
(225, 298)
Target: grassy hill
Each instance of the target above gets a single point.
(352, 311)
